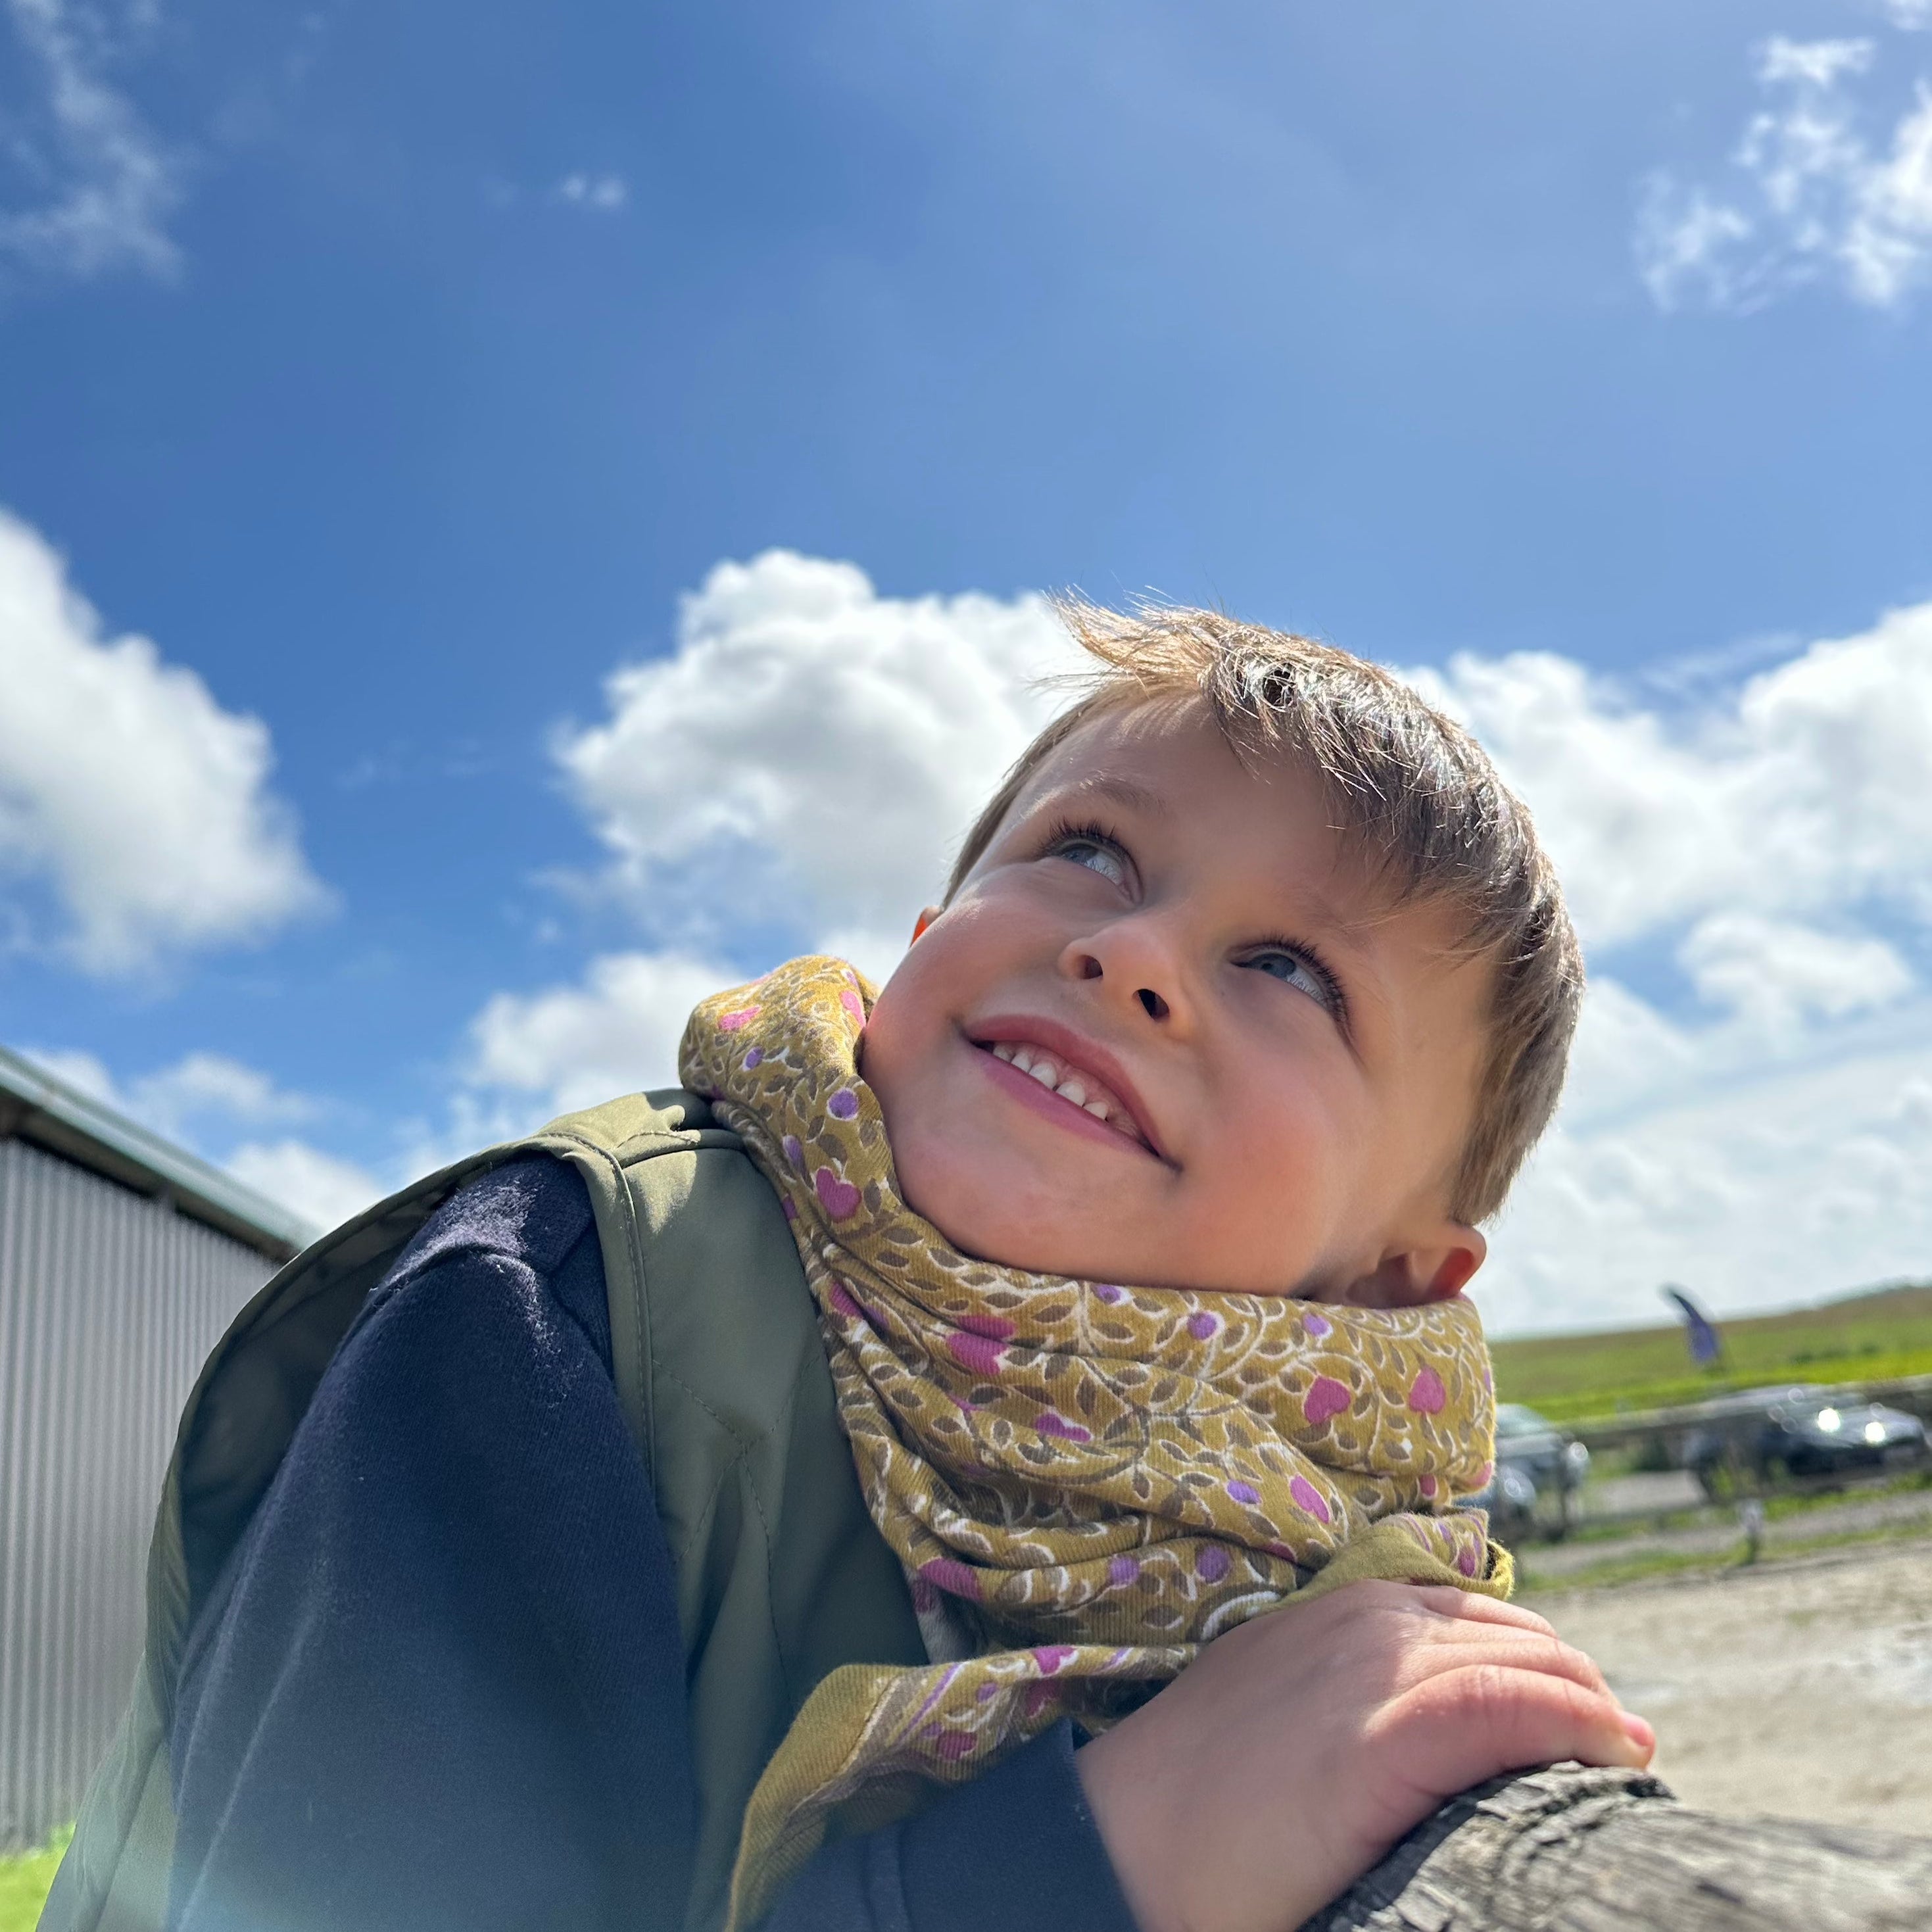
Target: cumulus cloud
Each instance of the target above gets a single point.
(616, 1032)
(98, 186)
(324, 1190)
(819, 746)
(125, 788)
(1813, 195)
(1801, 792)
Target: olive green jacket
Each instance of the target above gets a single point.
(719, 1364)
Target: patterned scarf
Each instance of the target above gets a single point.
(1085, 1481)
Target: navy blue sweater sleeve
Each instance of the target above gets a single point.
(439, 1683)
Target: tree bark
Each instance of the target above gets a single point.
(1573, 1850)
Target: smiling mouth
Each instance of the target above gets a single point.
(1073, 1084)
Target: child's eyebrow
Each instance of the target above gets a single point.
(1123, 792)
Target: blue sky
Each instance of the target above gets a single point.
(397, 372)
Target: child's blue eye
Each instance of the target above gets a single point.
(1096, 854)
(1297, 970)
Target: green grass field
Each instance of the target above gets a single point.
(1864, 1338)
(24, 1882)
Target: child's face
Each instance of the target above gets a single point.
(1286, 1067)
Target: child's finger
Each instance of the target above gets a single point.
(1470, 1724)
(1465, 1606)
(1509, 1648)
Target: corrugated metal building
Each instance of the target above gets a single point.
(122, 1259)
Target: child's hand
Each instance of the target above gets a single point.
(1281, 1764)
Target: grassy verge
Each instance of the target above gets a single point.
(24, 1882)
(1863, 1338)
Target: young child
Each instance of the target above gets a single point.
(1136, 1212)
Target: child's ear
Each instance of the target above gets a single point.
(1436, 1269)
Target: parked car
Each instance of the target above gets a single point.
(1509, 1497)
(1797, 1429)
(1552, 1458)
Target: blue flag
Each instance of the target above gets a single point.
(1699, 1331)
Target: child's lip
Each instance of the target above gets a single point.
(1081, 1055)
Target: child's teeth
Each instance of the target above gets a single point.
(1003, 1050)
(1023, 1059)
(1072, 1089)
(1042, 1071)
(1098, 1108)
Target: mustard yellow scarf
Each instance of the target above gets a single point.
(1085, 1480)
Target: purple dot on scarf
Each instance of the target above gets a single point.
(1213, 1563)
(1317, 1325)
(752, 1059)
(1465, 1561)
(1122, 1570)
(794, 1150)
(1244, 1493)
(1109, 1292)
(843, 1104)
(1309, 1499)
(1202, 1326)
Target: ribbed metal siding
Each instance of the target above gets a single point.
(110, 1303)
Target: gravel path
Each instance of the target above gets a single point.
(1802, 1688)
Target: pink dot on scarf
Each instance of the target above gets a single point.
(1213, 1563)
(983, 1356)
(842, 1304)
(1426, 1395)
(1202, 1326)
(840, 1197)
(1051, 1424)
(1050, 1657)
(854, 1005)
(943, 1573)
(1317, 1325)
(1425, 1483)
(953, 1745)
(731, 1022)
(1122, 1570)
(1326, 1397)
(843, 1104)
(1244, 1493)
(1465, 1561)
(1484, 1473)
(1036, 1696)
(1308, 1500)
(995, 1327)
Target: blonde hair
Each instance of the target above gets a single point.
(1415, 794)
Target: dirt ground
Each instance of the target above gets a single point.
(1802, 1688)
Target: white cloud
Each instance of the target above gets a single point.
(602, 194)
(1779, 974)
(1803, 792)
(616, 1033)
(100, 186)
(818, 747)
(1814, 196)
(126, 787)
(1910, 16)
(325, 1191)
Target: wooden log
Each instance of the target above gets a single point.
(1573, 1850)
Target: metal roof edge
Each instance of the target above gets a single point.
(39, 1107)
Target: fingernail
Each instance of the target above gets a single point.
(1638, 1732)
